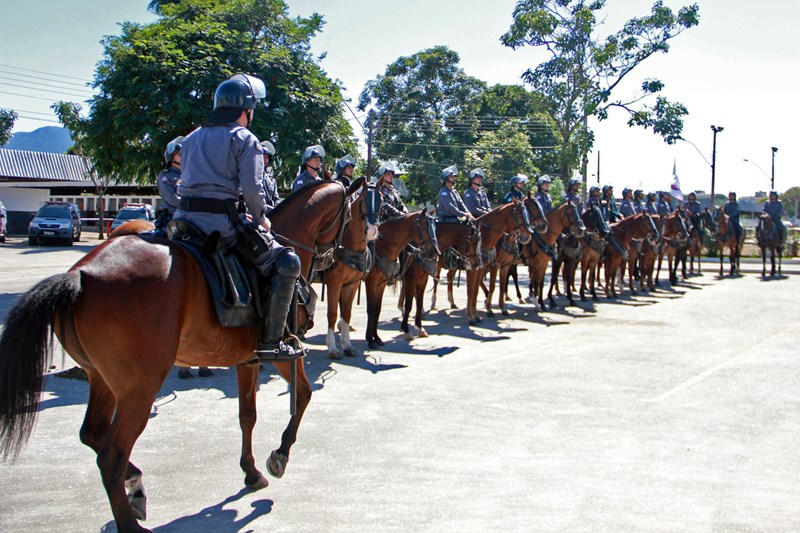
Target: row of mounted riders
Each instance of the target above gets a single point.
(175, 321)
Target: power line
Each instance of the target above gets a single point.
(82, 86)
(32, 112)
(39, 119)
(468, 146)
(46, 73)
(43, 90)
(29, 96)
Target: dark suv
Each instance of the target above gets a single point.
(57, 221)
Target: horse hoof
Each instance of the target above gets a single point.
(595, 298)
(372, 345)
(434, 308)
(583, 298)
(350, 352)
(408, 336)
(138, 506)
(258, 484)
(489, 313)
(183, 373)
(508, 299)
(479, 319)
(521, 301)
(353, 328)
(204, 372)
(422, 333)
(276, 464)
(504, 312)
(334, 355)
(572, 302)
(473, 322)
(379, 342)
(453, 306)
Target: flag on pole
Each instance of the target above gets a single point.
(676, 184)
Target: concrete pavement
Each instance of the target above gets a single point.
(676, 411)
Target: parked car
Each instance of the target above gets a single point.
(56, 221)
(132, 212)
(3, 223)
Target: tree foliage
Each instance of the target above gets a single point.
(583, 70)
(7, 119)
(157, 81)
(429, 114)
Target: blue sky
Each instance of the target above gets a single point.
(738, 69)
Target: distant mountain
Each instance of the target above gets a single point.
(51, 139)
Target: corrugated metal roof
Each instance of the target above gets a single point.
(27, 165)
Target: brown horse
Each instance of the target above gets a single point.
(726, 237)
(695, 248)
(506, 220)
(455, 239)
(675, 237)
(768, 239)
(622, 233)
(571, 250)
(508, 253)
(537, 258)
(394, 236)
(351, 266)
(128, 359)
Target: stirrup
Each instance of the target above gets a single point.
(287, 350)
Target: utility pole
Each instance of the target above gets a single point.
(598, 167)
(370, 121)
(774, 151)
(715, 129)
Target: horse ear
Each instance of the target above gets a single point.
(356, 185)
(425, 210)
(529, 194)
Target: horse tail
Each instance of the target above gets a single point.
(25, 352)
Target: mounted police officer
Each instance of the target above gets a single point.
(694, 210)
(344, 170)
(664, 206)
(543, 193)
(609, 209)
(731, 208)
(167, 181)
(627, 207)
(475, 197)
(594, 198)
(638, 201)
(449, 205)
(573, 193)
(518, 183)
(310, 165)
(270, 184)
(650, 207)
(392, 205)
(221, 161)
(774, 208)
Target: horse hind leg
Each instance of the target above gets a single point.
(247, 380)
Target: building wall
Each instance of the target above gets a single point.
(21, 204)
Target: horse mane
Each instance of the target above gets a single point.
(302, 191)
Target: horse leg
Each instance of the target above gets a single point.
(126, 494)
(513, 273)
(451, 274)
(420, 296)
(570, 267)
(247, 380)
(334, 282)
(503, 296)
(279, 458)
(409, 286)
(347, 298)
(492, 281)
(720, 251)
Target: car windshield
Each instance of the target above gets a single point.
(54, 211)
(129, 214)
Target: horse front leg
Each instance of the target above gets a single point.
(489, 293)
(333, 280)
(408, 292)
(503, 293)
(347, 298)
(451, 274)
(279, 458)
(420, 299)
(555, 267)
(247, 381)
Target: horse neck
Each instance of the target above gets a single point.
(451, 235)
(355, 235)
(627, 229)
(495, 224)
(395, 234)
(557, 220)
(722, 221)
(672, 227)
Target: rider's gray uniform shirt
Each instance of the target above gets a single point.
(663, 208)
(627, 208)
(270, 191)
(650, 208)
(545, 201)
(302, 179)
(450, 204)
(221, 162)
(576, 200)
(638, 207)
(476, 201)
(693, 207)
(167, 182)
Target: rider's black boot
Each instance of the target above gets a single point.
(270, 345)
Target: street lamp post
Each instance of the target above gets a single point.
(757, 166)
(772, 182)
(715, 129)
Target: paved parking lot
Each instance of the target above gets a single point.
(676, 411)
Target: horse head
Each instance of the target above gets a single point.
(536, 213)
(709, 220)
(594, 220)
(576, 227)
(522, 223)
(426, 234)
(651, 231)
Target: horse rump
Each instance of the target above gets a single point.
(25, 353)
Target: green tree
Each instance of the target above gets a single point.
(502, 153)
(7, 119)
(583, 71)
(424, 118)
(157, 81)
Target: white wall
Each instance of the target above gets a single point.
(22, 199)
